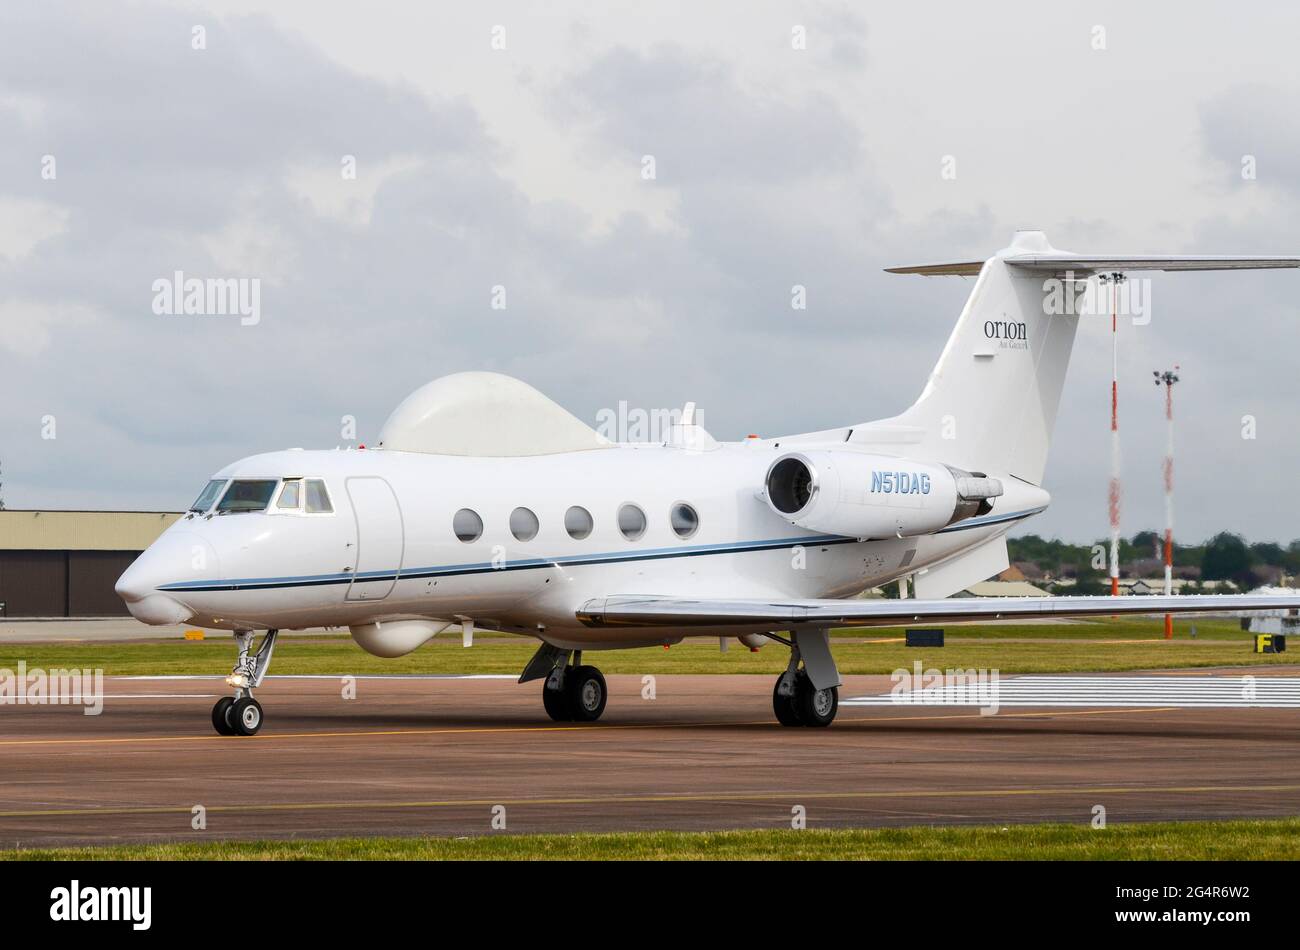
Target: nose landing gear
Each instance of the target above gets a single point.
(241, 714)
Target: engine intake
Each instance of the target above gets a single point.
(790, 485)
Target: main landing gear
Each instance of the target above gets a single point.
(807, 695)
(241, 714)
(572, 692)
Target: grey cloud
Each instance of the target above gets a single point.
(1255, 120)
(700, 125)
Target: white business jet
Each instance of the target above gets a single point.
(487, 505)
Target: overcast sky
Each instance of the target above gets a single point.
(523, 167)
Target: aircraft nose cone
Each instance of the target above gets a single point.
(158, 610)
(173, 557)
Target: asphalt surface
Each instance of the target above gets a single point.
(416, 756)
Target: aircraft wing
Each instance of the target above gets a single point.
(651, 611)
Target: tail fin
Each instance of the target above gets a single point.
(990, 402)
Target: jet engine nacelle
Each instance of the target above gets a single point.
(391, 638)
(857, 495)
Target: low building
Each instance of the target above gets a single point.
(1144, 586)
(1002, 589)
(65, 563)
(1144, 567)
(1030, 571)
(1156, 585)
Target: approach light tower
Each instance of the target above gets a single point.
(1168, 378)
(1114, 495)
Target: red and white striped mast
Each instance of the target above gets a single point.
(1114, 495)
(1168, 378)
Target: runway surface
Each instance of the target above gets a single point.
(424, 755)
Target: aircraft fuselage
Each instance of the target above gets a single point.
(388, 550)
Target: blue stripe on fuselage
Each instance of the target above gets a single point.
(484, 567)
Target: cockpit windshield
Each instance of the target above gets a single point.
(209, 494)
(252, 494)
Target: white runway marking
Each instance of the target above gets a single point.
(1221, 692)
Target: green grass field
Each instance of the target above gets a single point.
(1116, 645)
(1171, 841)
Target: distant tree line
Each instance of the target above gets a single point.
(1224, 557)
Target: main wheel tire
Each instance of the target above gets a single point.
(787, 712)
(221, 716)
(587, 693)
(556, 701)
(246, 716)
(816, 707)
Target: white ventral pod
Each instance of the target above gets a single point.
(392, 638)
(858, 495)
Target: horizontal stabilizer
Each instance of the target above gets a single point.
(1103, 263)
(1106, 263)
(961, 269)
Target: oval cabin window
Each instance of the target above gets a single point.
(577, 521)
(631, 521)
(685, 521)
(523, 524)
(467, 525)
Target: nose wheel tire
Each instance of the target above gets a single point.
(587, 693)
(246, 716)
(221, 716)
